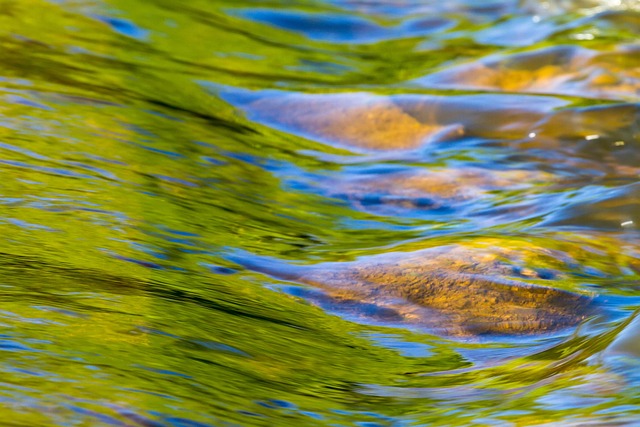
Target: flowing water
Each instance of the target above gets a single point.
(319, 213)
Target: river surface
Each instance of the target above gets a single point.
(319, 213)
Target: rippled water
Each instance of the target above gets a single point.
(319, 213)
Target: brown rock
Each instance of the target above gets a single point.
(430, 189)
(454, 290)
(562, 69)
(359, 121)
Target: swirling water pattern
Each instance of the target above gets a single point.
(216, 212)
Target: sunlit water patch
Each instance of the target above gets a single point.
(352, 213)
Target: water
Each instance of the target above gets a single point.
(224, 213)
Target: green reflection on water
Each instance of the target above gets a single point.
(127, 181)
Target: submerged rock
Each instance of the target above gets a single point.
(364, 122)
(445, 189)
(566, 70)
(454, 290)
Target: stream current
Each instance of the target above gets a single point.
(319, 213)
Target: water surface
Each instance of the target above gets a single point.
(197, 196)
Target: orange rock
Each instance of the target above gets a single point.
(563, 70)
(457, 290)
(364, 122)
